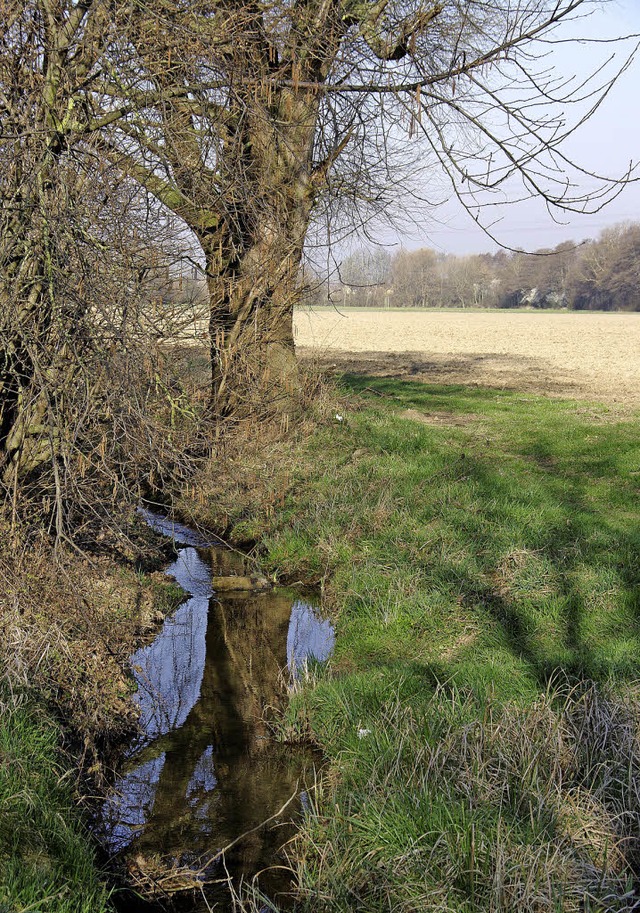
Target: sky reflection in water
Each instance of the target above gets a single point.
(204, 769)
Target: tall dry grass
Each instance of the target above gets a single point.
(494, 808)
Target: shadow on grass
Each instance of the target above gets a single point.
(552, 493)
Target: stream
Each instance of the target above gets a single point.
(204, 769)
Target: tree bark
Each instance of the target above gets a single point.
(251, 329)
(253, 260)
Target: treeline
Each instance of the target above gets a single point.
(601, 274)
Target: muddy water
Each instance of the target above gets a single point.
(204, 769)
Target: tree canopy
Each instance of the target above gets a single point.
(250, 122)
(596, 274)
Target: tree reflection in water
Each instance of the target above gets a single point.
(204, 769)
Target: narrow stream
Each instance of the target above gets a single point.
(204, 770)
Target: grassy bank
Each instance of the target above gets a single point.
(67, 628)
(479, 551)
(46, 858)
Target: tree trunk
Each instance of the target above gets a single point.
(253, 259)
(251, 325)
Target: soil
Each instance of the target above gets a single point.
(574, 355)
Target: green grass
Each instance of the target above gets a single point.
(490, 553)
(46, 861)
(485, 577)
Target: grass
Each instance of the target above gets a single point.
(479, 551)
(466, 804)
(46, 861)
(491, 548)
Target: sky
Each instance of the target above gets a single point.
(605, 144)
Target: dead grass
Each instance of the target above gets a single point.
(67, 629)
(254, 465)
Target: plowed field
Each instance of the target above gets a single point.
(579, 355)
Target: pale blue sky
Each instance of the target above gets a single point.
(605, 144)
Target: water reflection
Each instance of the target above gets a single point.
(128, 810)
(309, 637)
(180, 533)
(205, 770)
(169, 671)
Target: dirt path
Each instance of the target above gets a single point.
(585, 356)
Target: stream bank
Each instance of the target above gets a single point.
(67, 628)
(480, 714)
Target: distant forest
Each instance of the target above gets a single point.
(596, 275)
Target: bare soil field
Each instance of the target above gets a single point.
(576, 355)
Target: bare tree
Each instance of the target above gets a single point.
(250, 120)
(605, 273)
(47, 51)
(364, 276)
(417, 279)
(80, 274)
